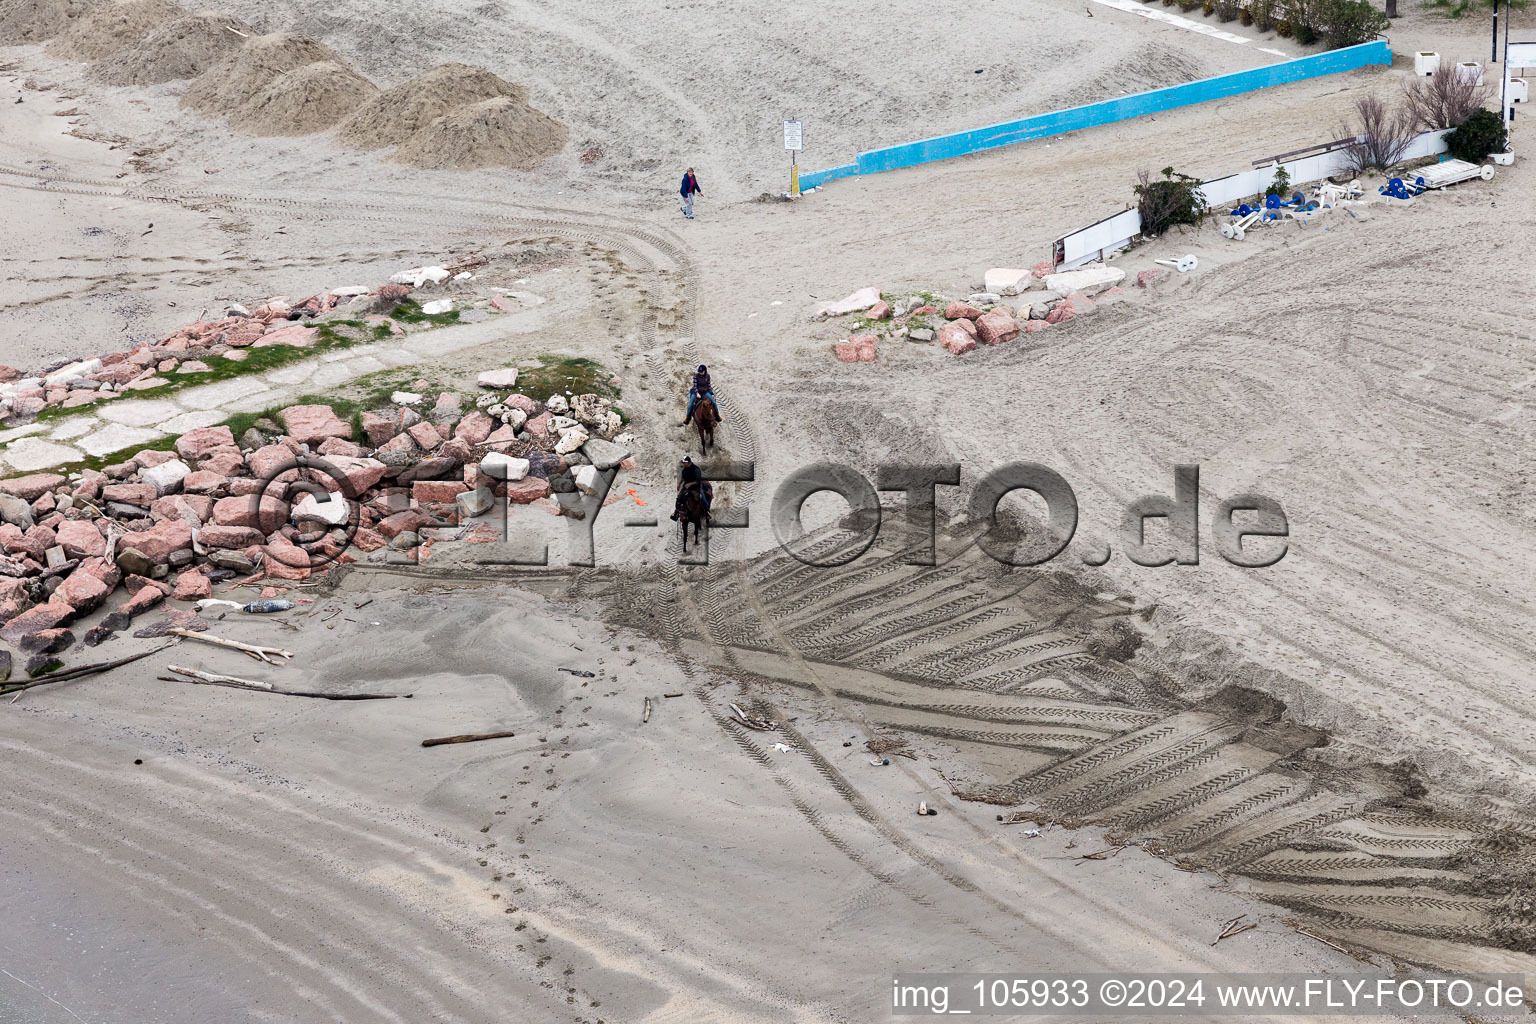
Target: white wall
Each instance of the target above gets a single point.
(1086, 244)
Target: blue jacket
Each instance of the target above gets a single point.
(690, 184)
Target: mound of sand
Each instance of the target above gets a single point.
(396, 114)
(112, 26)
(32, 21)
(231, 83)
(500, 132)
(304, 100)
(183, 48)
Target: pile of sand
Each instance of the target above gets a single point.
(304, 100)
(228, 85)
(32, 21)
(395, 115)
(112, 26)
(500, 132)
(182, 48)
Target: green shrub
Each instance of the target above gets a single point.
(1208, 8)
(1479, 135)
(1347, 22)
(1226, 10)
(1281, 185)
(1175, 199)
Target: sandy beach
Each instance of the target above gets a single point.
(1337, 748)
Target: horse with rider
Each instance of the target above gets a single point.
(695, 495)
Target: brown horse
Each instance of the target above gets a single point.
(705, 418)
(693, 510)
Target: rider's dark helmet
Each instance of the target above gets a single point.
(702, 368)
(688, 459)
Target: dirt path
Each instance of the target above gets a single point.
(1335, 371)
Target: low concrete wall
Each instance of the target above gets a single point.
(1056, 122)
(1116, 231)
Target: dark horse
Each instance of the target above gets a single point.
(693, 510)
(705, 418)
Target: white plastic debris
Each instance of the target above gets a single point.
(416, 277)
(214, 602)
(405, 398)
(438, 306)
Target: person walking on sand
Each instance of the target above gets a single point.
(689, 190)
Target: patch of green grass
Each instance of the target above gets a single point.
(240, 422)
(96, 462)
(560, 374)
(257, 360)
(409, 312)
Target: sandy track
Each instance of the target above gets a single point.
(1395, 625)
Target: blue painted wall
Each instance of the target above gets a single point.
(1057, 122)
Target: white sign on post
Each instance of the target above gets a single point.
(793, 136)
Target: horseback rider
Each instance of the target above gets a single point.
(701, 389)
(690, 478)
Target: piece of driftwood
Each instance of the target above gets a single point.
(79, 671)
(751, 721)
(267, 655)
(471, 737)
(260, 686)
(1234, 927)
(216, 679)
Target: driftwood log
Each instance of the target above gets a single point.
(214, 679)
(79, 671)
(469, 737)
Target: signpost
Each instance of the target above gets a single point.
(794, 141)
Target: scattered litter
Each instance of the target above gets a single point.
(647, 716)
(583, 673)
(281, 604)
(783, 748)
(438, 306)
(214, 602)
(469, 737)
(880, 762)
(924, 810)
(679, 693)
(751, 721)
